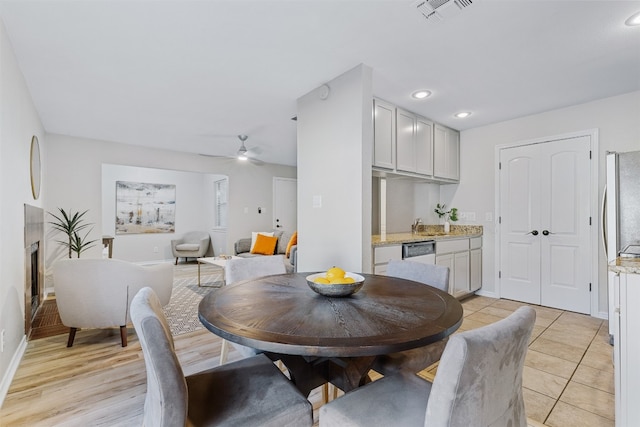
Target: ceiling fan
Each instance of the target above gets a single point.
(243, 154)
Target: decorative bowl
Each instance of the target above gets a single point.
(336, 290)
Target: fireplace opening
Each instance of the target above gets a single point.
(34, 283)
(35, 279)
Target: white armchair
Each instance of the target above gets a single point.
(97, 293)
(193, 244)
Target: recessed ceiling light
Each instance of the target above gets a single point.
(633, 20)
(421, 94)
(463, 114)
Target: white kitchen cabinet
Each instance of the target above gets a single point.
(414, 143)
(384, 134)
(382, 255)
(455, 254)
(461, 274)
(626, 348)
(446, 153)
(475, 263)
(424, 146)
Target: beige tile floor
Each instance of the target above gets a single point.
(568, 374)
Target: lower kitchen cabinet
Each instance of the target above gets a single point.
(382, 255)
(475, 264)
(465, 264)
(627, 348)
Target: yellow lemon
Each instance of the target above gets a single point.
(348, 280)
(321, 280)
(337, 281)
(335, 273)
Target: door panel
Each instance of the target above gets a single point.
(545, 187)
(520, 215)
(285, 204)
(566, 249)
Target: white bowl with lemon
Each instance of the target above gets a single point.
(335, 282)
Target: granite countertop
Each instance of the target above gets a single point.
(625, 265)
(427, 232)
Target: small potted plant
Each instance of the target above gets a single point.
(449, 215)
(71, 224)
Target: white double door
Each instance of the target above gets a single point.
(545, 244)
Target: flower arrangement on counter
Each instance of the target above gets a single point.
(451, 214)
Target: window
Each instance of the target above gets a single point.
(222, 192)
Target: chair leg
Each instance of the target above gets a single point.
(72, 336)
(176, 261)
(224, 351)
(123, 335)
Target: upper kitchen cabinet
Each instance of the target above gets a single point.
(384, 131)
(414, 143)
(446, 153)
(410, 145)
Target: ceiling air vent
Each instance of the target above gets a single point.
(438, 10)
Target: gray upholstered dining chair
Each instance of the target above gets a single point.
(238, 269)
(249, 392)
(478, 384)
(416, 359)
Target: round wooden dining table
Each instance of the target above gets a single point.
(328, 338)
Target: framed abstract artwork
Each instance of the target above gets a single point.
(143, 208)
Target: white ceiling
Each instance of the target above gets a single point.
(190, 75)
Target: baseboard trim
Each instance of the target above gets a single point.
(482, 293)
(13, 367)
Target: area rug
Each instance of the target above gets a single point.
(182, 310)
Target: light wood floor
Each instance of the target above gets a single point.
(99, 383)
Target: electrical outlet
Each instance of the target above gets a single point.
(488, 216)
(471, 216)
(155, 249)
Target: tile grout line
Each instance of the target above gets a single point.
(571, 377)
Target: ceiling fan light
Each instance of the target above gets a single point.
(633, 20)
(242, 156)
(462, 114)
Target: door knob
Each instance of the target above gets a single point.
(534, 232)
(546, 232)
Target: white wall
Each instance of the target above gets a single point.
(618, 121)
(335, 139)
(19, 121)
(194, 209)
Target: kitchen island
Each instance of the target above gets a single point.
(624, 276)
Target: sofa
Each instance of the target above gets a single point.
(242, 248)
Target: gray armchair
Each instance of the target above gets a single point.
(478, 384)
(96, 293)
(193, 244)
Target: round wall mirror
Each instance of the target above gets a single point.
(35, 167)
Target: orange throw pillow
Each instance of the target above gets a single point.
(293, 241)
(265, 245)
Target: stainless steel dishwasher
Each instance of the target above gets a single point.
(424, 252)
